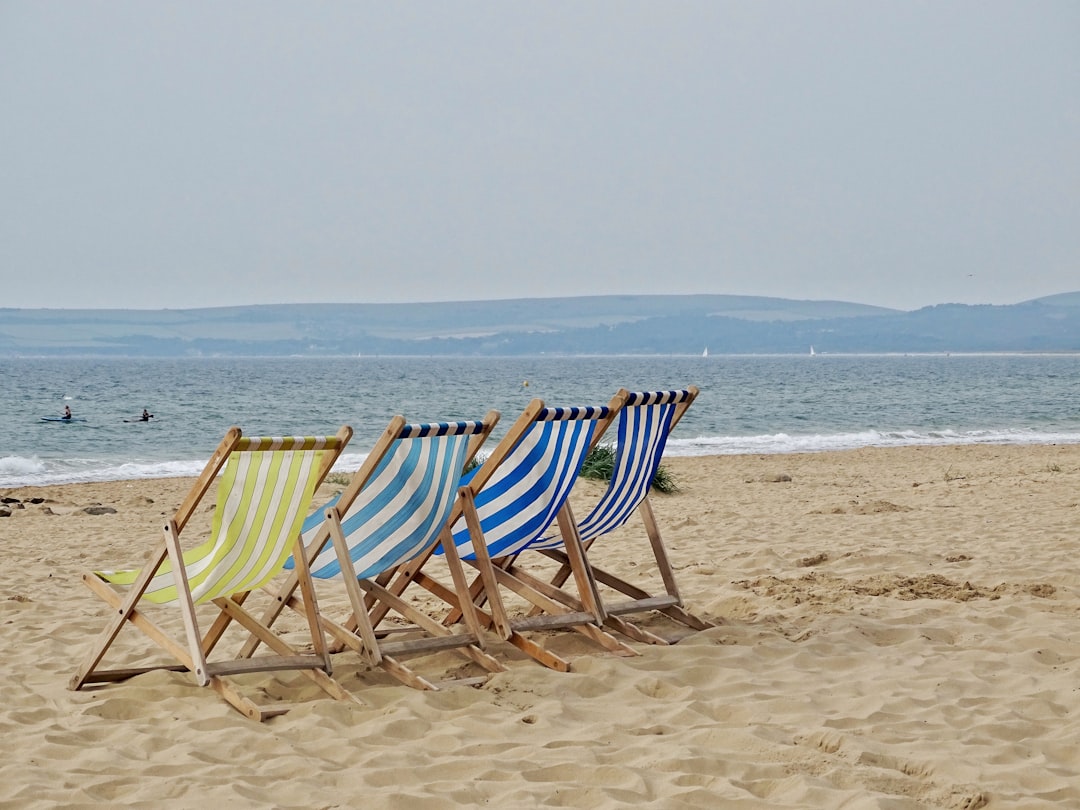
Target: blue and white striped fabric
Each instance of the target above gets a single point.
(523, 496)
(644, 425)
(404, 505)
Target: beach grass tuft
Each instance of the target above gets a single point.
(600, 463)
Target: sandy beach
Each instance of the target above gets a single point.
(895, 628)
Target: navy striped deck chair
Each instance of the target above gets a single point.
(509, 502)
(646, 419)
(395, 508)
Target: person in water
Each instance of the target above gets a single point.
(67, 412)
(146, 416)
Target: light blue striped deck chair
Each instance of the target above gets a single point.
(395, 508)
(265, 488)
(510, 502)
(646, 419)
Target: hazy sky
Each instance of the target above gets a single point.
(193, 154)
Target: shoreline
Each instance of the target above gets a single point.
(895, 627)
(778, 445)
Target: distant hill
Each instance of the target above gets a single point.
(1060, 300)
(582, 325)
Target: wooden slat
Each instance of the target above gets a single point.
(275, 663)
(115, 675)
(424, 645)
(639, 605)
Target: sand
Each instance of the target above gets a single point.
(895, 628)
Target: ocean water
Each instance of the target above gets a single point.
(758, 404)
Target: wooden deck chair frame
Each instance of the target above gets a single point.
(583, 614)
(194, 655)
(366, 590)
(634, 496)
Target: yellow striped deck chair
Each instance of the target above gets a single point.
(264, 491)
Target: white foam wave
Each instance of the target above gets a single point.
(33, 472)
(777, 443)
(349, 462)
(19, 465)
(19, 471)
(16, 471)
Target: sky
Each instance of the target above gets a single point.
(200, 154)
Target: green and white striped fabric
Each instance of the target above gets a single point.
(263, 496)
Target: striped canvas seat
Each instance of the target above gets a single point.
(645, 421)
(404, 505)
(519, 502)
(264, 491)
(263, 496)
(396, 507)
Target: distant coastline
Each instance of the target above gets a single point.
(677, 325)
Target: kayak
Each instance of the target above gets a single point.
(62, 419)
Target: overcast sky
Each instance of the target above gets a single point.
(194, 154)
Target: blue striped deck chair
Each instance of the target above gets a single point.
(646, 419)
(264, 491)
(395, 508)
(509, 502)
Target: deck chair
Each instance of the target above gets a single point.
(264, 492)
(646, 419)
(509, 502)
(394, 508)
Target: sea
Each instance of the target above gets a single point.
(748, 404)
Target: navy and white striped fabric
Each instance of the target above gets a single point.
(404, 505)
(644, 425)
(523, 496)
(420, 431)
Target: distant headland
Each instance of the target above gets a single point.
(604, 325)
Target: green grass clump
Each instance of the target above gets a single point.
(338, 478)
(600, 463)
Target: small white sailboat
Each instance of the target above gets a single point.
(812, 352)
(705, 352)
